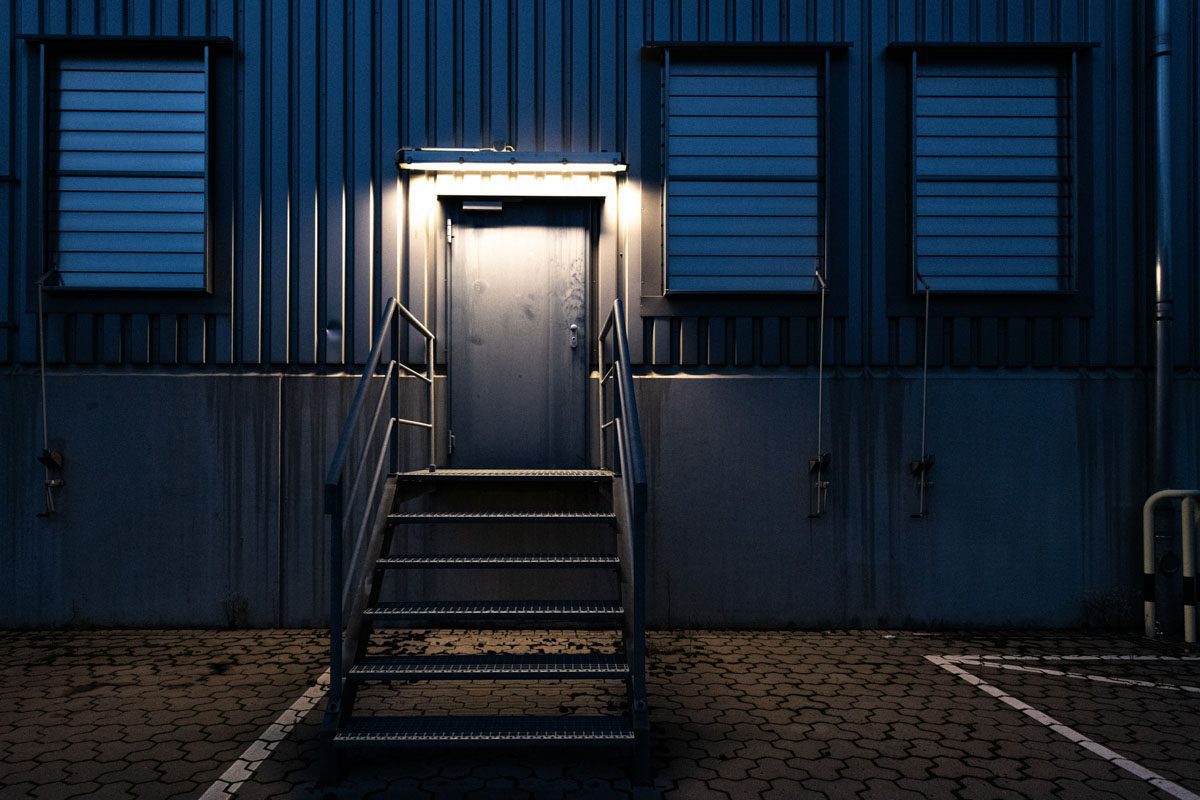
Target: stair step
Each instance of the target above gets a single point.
(417, 517)
(474, 731)
(500, 560)
(504, 666)
(476, 609)
(507, 475)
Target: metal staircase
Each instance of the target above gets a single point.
(546, 548)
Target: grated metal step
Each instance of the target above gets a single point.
(489, 666)
(417, 517)
(501, 560)
(505, 609)
(474, 731)
(508, 475)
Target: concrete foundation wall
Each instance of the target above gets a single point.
(194, 500)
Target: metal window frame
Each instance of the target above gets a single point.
(819, 53)
(1068, 53)
(51, 46)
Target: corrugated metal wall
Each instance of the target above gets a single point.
(871, 331)
(325, 93)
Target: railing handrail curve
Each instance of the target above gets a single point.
(345, 607)
(631, 429)
(337, 464)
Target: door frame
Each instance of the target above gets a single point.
(451, 210)
(425, 254)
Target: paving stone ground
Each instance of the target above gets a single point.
(151, 714)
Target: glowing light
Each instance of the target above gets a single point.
(507, 161)
(631, 202)
(525, 167)
(496, 184)
(422, 202)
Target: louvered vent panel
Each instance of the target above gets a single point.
(993, 184)
(126, 155)
(744, 167)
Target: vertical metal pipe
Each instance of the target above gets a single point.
(821, 361)
(1163, 310)
(336, 510)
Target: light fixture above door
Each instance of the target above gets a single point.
(507, 161)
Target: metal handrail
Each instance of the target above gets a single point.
(342, 485)
(626, 402)
(626, 431)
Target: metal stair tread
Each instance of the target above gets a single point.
(474, 730)
(491, 666)
(484, 608)
(501, 516)
(506, 475)
(491, 560)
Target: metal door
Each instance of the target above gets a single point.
(518, 334)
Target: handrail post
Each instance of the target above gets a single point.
(618, 461)
(430, 377)
(394, 442)
(600, 401)
(335, 507)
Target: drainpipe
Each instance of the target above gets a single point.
(1163, 311)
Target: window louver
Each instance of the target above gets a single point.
(744, 156)
(126, 157)
(992, 165)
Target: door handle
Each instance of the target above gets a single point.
(574, 335)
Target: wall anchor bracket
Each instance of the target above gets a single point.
(818, 489)
(920, 470)
(52, 461)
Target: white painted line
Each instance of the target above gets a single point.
(1113, 757)
(987, 657)
(1057, 673)
(262, 747)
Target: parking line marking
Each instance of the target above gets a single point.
(1072, 735)
(261, 748)
(995, 657)
(995, 664)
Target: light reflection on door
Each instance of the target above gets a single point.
(518, 369)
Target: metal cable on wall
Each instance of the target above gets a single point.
(921, 468)
(51, 461)
(818, 492)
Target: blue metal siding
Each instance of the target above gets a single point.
(868, 330)
(312, 242)
(743, 174)
(992, 173)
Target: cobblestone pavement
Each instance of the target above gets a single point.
(734, 714)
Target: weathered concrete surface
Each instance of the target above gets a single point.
(194, 499)
(170, 510)
(1034, 514)
(186, 502)
(116, 714)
